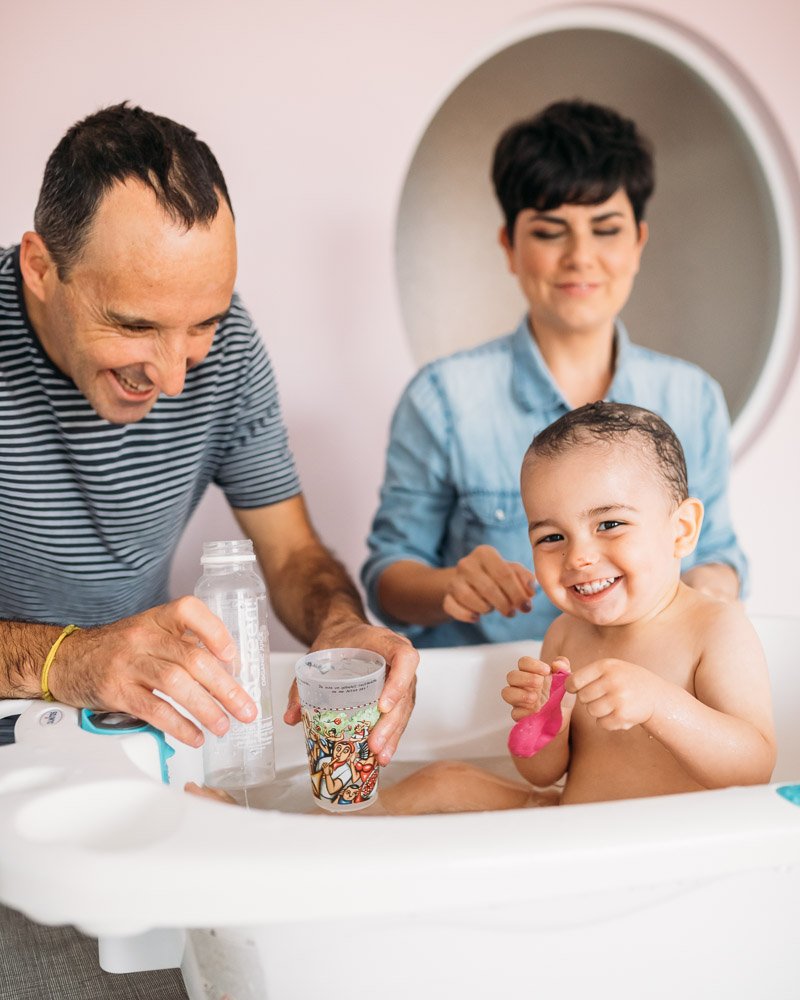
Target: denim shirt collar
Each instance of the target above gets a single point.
(532, 383)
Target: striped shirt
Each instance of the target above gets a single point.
(91, 512)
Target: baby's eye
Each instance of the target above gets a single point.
(549, 538)
(608, 525)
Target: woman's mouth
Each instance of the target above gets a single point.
(577, 288)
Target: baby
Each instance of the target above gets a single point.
(668, 689)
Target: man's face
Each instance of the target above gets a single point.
(575, 264)
(603, 530)
(141, 304)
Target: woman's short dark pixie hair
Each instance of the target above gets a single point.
(617, 423)
(571, 153)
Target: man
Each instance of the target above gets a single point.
(131, 377)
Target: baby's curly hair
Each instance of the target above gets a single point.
(610, 422)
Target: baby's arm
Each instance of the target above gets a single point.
(723, 734)
(527, 692)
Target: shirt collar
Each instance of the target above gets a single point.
(532, 383)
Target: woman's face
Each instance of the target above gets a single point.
(575, 264)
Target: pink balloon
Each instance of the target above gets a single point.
(535, 731)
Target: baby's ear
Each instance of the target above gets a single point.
(687, 520)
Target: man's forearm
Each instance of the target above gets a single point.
(314, 590)
(23, 649)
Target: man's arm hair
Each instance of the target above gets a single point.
(23, 648)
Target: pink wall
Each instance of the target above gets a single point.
(314, 111)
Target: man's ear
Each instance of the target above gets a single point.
(687, 520)
(36, 264)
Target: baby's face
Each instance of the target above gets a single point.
(603, 532)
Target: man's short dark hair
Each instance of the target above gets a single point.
(571, 153)
(617, 422)
(113, 145)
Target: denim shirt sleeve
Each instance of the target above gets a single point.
(417, 496)
(718, 543)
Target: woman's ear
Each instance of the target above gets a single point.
(687, 520)
(504, 239)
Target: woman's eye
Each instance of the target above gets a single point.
(608, 525)
(546, 234)
(607, 232)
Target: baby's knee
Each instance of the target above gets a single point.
(447, 770)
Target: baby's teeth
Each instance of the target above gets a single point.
(594, 588)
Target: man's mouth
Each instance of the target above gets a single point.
(131, 385)
(595, 586)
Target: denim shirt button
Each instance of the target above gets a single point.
(500, 515)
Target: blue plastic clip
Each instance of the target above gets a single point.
(791, 793)
(120, 723)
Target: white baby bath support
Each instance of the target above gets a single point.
(692, 895)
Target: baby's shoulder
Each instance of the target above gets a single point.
(557, 637)
(570, 637)
(719, 625)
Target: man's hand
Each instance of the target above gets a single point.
(118, 667)
(397, 698)
(616, 694)
(529, 687)
(482, 582)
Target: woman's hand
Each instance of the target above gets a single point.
(484, 581)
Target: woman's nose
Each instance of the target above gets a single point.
(579, 248)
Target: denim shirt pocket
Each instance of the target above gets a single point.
(495, 518)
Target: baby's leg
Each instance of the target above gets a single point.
(454, 786)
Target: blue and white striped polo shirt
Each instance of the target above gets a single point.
(91, 512)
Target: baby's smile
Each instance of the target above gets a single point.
(595, 586)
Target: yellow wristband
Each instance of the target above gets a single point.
(51, 656)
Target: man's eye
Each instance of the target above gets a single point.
(132, 328)
(608, 525)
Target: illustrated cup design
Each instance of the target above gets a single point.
(339, 690)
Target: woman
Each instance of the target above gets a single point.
(449, 559)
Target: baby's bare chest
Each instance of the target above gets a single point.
(664, 653)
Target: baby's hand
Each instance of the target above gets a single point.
(529, 685)
(616, 694)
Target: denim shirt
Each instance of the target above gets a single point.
(457, 440)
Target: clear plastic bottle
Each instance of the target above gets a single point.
(243, 759)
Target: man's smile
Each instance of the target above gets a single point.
(133, 386)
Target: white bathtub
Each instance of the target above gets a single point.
(688, 895)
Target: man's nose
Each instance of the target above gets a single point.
(168, 370)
